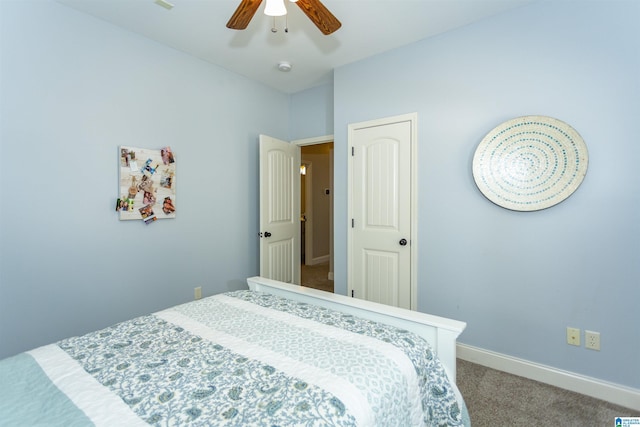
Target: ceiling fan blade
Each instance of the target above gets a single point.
(243, 14)
(319, 15)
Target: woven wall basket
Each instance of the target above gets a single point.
(530, 163)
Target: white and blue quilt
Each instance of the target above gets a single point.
(237, 359)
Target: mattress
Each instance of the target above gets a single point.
(234, 359)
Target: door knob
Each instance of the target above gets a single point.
(403, 242)
(267, 234)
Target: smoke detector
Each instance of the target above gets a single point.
(284, 66)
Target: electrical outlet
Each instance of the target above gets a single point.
(573, 336)
(592, 340)
(197, 292)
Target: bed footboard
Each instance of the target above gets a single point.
(440, 332)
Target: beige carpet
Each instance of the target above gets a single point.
(316, 276)
(495, 398)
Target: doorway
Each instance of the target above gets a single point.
(316, 214)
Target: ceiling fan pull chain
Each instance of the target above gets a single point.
(274, 29)
(286, 23)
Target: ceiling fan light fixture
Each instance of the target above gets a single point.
(314, 9)
(275, 8)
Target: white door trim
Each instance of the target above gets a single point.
(413, 118)
(313, 141)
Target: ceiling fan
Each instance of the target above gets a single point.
(314, 9)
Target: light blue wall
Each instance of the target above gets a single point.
(311, 112)
(519, 279)
(74, 88)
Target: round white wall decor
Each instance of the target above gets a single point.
(530, 163)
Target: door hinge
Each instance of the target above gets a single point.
(352, 293)
(353, 223)
(353, 151)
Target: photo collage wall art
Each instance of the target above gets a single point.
(147, 184)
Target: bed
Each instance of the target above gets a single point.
(273, 355)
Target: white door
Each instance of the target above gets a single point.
(382, 237)
(279, 210)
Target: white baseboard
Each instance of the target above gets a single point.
(318, 260)
(610, 392)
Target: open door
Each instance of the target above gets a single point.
(279, 210)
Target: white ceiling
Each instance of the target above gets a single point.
(369, 27)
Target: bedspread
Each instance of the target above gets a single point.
(236, 359)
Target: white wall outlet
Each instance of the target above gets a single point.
(592, 340)
(573, 336)
(197, 292)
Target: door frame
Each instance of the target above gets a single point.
(413, 119)
(316, 141)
